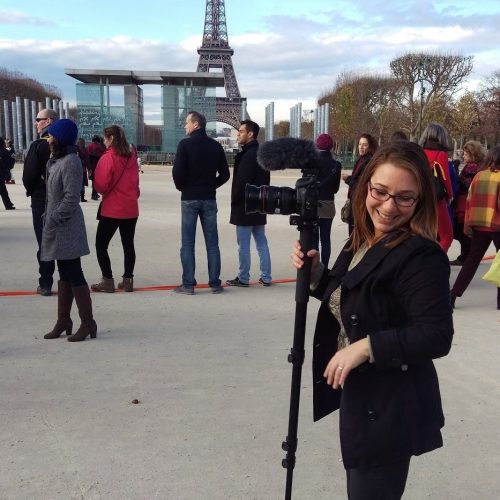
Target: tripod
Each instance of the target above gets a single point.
(306, 226)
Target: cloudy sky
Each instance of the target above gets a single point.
(286, 51)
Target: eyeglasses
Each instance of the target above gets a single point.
(401, 200)
(40, 119)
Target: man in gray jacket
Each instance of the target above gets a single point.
(34, 182)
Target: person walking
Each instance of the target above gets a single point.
(434, 140)
(34, 172)
(200, 167)
(6, 165)
(248, 171)
(117, 179)
(329, 178)
(64, 237)
(482, 221)
(367, 145)
(473, 158)
(385, 315)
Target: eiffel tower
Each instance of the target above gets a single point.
(215, 52)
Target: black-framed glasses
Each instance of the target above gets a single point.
(401, 200)
(40, 119)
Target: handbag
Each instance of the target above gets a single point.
(99, 208)
(346, 212)
(439, 184)
(493, 273)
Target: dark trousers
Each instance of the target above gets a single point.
(385, 482)
(45, 269)
(71, 272)
(105, 231)
(463, 239)
(324, 236)
(481, 240)
(5, 195)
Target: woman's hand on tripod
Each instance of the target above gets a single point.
(298, 258)
(346, 360)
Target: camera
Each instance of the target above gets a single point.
(303, 200)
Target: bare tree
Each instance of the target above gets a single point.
(15, 84)
(489, 99)
(425, 78)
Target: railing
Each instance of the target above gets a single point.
(163, 158)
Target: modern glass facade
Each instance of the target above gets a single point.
(177, 101)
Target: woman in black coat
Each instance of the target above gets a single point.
(5, 167)
(385, 315)
(367, 145)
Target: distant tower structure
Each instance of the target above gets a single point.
(215, 52)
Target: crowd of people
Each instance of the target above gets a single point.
(386, 305)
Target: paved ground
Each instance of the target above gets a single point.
(211, 376)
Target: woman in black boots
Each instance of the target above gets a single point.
(64, 237)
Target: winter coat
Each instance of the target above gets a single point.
(483, 202)
(329, 179)
(35, 166)
(64, 236)
(117, 179)
(5, 162)
(358, 169)
(389, 409)
(247, 170)
(200, 167)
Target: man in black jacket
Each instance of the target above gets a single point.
(247, 170)
(200, 167)
(34, 182)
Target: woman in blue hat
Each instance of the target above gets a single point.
(64, 236)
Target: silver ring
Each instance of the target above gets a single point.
(340, 367)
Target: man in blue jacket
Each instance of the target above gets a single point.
(200, 167)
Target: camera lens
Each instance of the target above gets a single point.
(270, 200)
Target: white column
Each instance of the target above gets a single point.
(19, 118)
(33, 123)
(6, 115)
(15, 137)
(27, 121)
(48, 102)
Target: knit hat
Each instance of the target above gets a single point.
(324, 142)
(64, 131)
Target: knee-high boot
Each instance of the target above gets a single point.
(84, 303)
(64, 301)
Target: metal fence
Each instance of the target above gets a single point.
(164, 158)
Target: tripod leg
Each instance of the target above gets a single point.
(296, 356)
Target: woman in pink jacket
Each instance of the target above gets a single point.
(117, 179)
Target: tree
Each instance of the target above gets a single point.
(425, 78)
(489, 99)
(464, 118)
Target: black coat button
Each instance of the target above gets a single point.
(354, 319)
(372, 415)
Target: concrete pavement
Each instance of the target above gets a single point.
(210, 374)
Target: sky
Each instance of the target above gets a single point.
(286, 51)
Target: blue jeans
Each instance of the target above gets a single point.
(206, 210)
(243, 235)
(323, 235)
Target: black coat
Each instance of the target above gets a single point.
(200, 167)
(329, 175)
(246, 170)
(389, 409)
(34, 167)
(5, 164)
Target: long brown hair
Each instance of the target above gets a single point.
(119, 144)
(411, 157)
(492, 160)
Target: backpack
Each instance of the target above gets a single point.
(439, 181)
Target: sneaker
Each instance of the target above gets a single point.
(265, 283)
(236, 282)
(186, 290)
(12, 207)
(217, 289)
(44, 292)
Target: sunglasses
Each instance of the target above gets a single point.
(40, 119)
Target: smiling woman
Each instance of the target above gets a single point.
(385, 315)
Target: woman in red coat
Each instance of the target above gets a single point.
(117, 179)
(434, 140)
